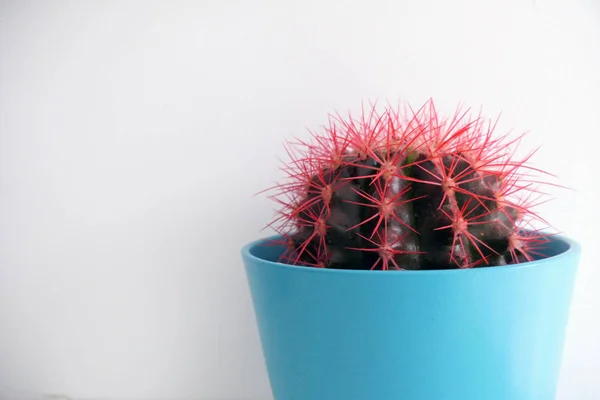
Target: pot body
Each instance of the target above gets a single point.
(488, 333)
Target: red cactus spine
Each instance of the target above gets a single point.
(407, 191)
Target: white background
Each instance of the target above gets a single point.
(133, 136)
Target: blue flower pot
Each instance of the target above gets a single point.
(477, 334)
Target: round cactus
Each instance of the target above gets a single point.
(404, 190)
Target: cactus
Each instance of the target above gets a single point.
(405, 190)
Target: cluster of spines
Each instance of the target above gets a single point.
(407, 190)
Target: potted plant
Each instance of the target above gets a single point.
(410, 264)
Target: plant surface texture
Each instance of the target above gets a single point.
(407, 189)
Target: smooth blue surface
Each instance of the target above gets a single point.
(480, 334)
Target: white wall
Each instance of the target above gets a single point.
(134, 134)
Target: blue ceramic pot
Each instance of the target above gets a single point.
(477, 334)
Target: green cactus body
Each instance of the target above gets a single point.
(406, 194)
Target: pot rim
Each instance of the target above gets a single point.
(573, 250)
